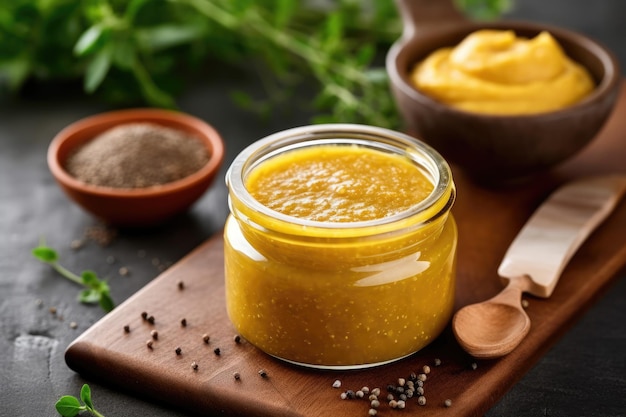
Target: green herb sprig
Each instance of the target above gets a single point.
(69, 406)
(144, 50)
(96, 290)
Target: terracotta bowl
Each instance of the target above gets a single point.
(494, 148)
(139, 207)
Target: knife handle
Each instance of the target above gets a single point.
(557, 228)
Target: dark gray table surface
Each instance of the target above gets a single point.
(584, 374)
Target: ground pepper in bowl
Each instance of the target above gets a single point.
(137, 155)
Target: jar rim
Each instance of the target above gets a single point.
(435, 166)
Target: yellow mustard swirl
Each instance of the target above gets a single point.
(496, 72)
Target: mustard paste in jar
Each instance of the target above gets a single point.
(323, 291)
(496, 72)
(335, 184)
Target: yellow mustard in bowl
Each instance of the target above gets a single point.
(497, 72)
(340, 250)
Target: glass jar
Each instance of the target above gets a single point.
(340, 295)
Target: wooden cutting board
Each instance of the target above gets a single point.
(488, 220)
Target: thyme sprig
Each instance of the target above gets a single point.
(143, 51)
(96, 290)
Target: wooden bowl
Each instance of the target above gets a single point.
(135, 207)
(497, 148)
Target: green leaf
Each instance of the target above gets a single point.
(106, 302)
(45, 254)
(90, 279)
(85, 395)
(97, 70)
(165, 36)
(68, 406)
(484, 9)
(15, 71)
(89, 296)
(88, 40)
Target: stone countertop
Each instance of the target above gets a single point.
(582, 375)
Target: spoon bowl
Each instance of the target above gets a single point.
(494, 327)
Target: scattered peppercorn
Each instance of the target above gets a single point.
(178, 350)
(389, 397)
(73, 325)
(437, 361)
(343, 396)
(419, 390)
(448, 403)
(426, 369)
(263, 373)
(76, 244)
(149, 344)
(365, 390)
(421, 400)
(375, 404)
(350, 394)
(206, 338)
(525, 303)
(376, 391)
(217, 351)
(127, 329)
(181, 285)
(123, 271)
(372, 412)
(421, 377)
(337, 384)
(237, 338)
(413, 377)
(393, 404)
(53, 310)
(151, 319)
(39, 302)
(401, 382)
(194, 365)
(154, 334)
(474, 366)
(183, 322)
(144, 315)
(359, 394)
(237, 376)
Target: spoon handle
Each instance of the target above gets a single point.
(559, 226)
(419, 15)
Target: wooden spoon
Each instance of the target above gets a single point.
(534, 262)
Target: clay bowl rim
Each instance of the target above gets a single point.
(399, 79)
(72, 137)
